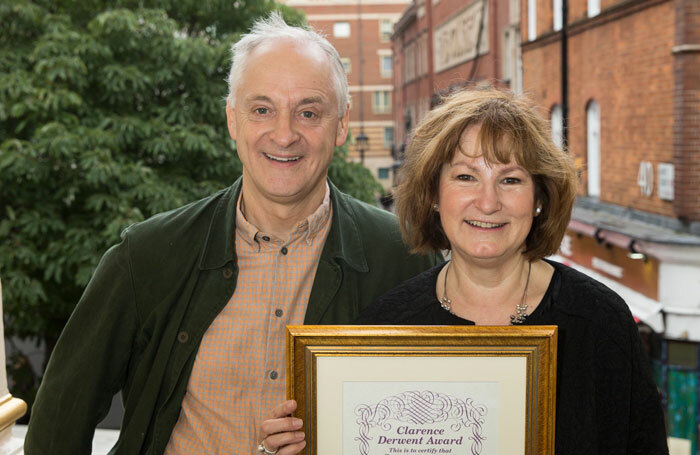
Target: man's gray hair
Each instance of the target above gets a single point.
(273, 28)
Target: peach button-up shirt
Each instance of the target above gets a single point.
(239, 372)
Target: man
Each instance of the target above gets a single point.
(186, 315)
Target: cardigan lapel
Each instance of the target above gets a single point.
(343, 246)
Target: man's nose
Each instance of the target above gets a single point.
(488, 199)
(284, 131)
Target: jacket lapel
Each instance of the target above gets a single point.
(343, 246)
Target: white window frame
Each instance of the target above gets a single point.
(593, 8)
(531, 20)
(386, 29)
(387, 144)
(557, 15)
(381, 102)
(383, 71)
(556, 118)
(347, 64)
(341, 29)
(593, 161)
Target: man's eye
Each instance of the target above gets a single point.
(308, 114)
(261, 110)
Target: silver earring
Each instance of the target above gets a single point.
(538, 210)
(435, 206)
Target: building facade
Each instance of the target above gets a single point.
(440, 45)
(620, 81)
(361, 32)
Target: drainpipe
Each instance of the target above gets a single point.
(565, 74)
(429, 20)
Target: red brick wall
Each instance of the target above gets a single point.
(687, 110)
(488, 66)
(370, 36)
(626, 65)
(545, 16)
(542, 76)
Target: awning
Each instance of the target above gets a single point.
(642, 307)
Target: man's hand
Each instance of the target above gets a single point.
(279, 433)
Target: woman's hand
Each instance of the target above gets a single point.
(280, 433)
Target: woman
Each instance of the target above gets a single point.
(483, 179)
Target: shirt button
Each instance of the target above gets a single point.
(182, 337)
(273, 375)
(266, 238)
(279, 313)
(228, 273)
(284, 250)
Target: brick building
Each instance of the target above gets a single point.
(361, 32)
(443, 44)
(630, 84)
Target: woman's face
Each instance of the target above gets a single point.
(486, 210)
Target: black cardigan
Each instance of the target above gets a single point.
(607, 402)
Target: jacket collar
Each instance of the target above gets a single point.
(343, 241)
(220, 243)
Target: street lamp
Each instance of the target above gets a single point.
(362, 141)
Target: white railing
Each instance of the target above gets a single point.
(11, 408)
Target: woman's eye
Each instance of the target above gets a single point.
(511, 180)
(465, 177)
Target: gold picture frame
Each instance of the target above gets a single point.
(388, 390)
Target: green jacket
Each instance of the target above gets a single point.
(138, 326)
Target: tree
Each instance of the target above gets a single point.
(109, 113)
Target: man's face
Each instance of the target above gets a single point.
(285, 123)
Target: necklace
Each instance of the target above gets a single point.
(520, 309)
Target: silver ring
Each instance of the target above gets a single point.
(263, 449)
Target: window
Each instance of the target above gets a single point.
(409, 62)
(346, 64)
(557, 119)
(593, 8)
(388, 136)
(593, 148)
(386, 65)
(381, 102)
(682, 354)
(386, 29)
(531, 20)
(512, 61)
(341, 29)
(558, 18)
(383, 173)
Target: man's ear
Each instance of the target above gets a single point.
(231, 120)
(342, 133)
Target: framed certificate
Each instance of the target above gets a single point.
(386, 390)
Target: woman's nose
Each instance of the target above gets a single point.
(487, 199)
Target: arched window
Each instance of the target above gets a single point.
(557, 122)
(593, 8)
(593, 147)
(531, 20)
(558, 19)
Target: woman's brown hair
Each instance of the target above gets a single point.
(510, 130)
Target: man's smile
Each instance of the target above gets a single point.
(281, 159)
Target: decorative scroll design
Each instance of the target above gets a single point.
(422, 408)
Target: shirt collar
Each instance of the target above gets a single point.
(306, 229)
(344, 239)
